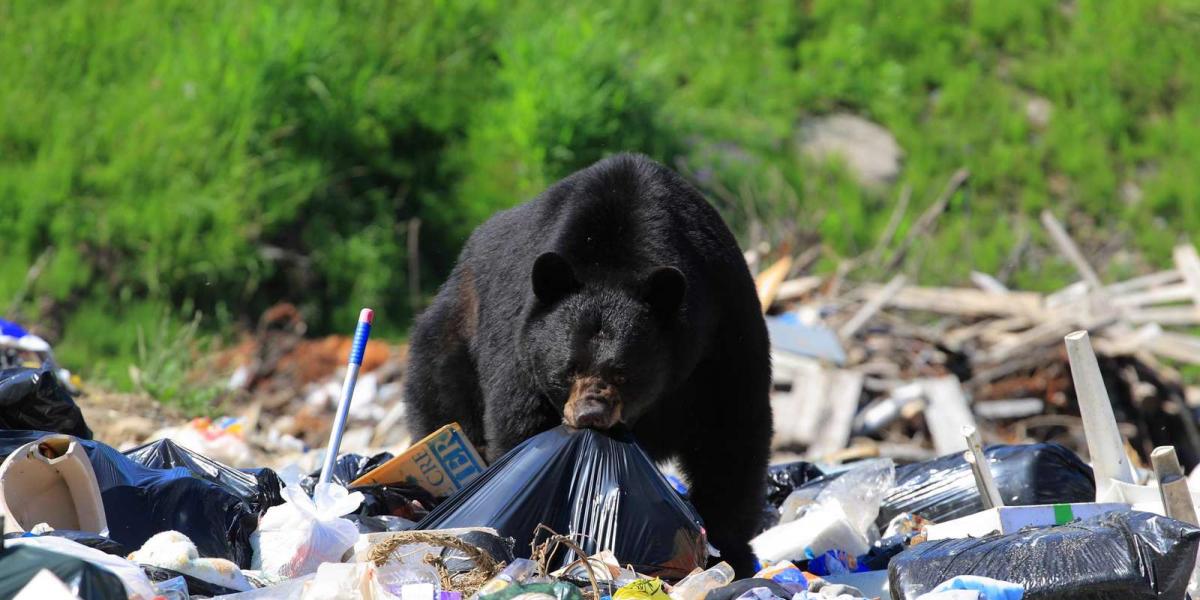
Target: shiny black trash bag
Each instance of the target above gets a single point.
(599, 487)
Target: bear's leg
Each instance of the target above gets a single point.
(725, 460)
(442, 385)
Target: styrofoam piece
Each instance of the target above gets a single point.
(51, 481)
(820, 530)
(1010, 519)
(1105, 444)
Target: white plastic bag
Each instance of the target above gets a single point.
(294, 538)
(840, 516)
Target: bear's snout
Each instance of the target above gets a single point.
(594, 403)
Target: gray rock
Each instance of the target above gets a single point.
(1038, 111)
(868, 150)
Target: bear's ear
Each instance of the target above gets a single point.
(664, 290)
(553, 277)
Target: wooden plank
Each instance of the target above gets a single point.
(966, 302)
(798, 414)
(947, 414)
(1167, 315)
(1188, 264)
(845, 388)
(1176, 346)
(1158, 295)
(1143, 282)
(1069, 250)
(877, 301)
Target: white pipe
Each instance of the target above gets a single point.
(1104, 441)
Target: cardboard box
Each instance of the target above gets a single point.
(1011, 519)
(442, 463)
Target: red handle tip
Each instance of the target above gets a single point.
(367, 315)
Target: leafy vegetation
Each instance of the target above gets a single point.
(221, 156)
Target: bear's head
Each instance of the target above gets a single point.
(598, 347)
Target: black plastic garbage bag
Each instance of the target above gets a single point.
(260, 488)
(86, 538)
(396, 500)
(381, 523)
(19, 564)
(601, 487)
(346, 469)
(944, 488)
(783, 479)
(34, 399)
(1122, 555)
(196, 586)
(140, 502)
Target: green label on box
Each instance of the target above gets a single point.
(1063, 514)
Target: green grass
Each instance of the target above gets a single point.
(222, 156)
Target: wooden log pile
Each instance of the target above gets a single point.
(897, 369)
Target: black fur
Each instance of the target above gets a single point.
(623, 271)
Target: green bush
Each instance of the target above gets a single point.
(223, 156)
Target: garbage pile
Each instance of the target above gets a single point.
(883, 486)
(290, 385)
(581, 515)
(897, 370)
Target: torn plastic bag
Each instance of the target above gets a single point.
(600, 487)
(140, 502)
(34, 399)
(943, 488)
(1118, 555)
(260, 488)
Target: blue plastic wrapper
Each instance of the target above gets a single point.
(601, 487)
(140, 502)
(1122, 555)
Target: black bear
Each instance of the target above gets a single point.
(616, 296)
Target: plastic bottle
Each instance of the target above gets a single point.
(695, 587)
(517, 572)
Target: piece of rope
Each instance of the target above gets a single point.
(542, 554)
(466, 583)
